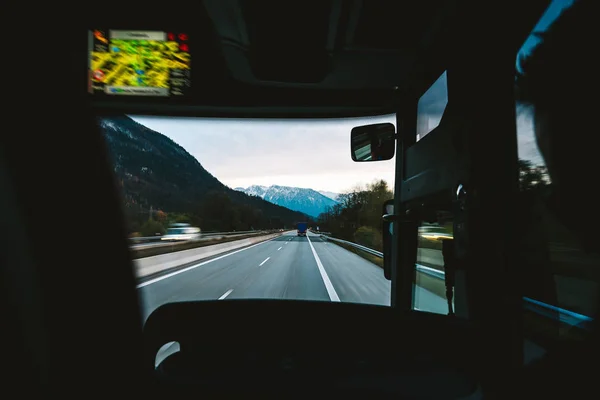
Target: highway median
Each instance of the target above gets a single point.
(171, 257)
(172, 247)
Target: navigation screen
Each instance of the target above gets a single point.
(138, 63)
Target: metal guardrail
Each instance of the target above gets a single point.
(202, 234)
(228, 233)
(355, 245)
(145, 239)
(546, 310)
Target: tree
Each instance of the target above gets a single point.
(161, 216)
(219, 213)
(369, 237)
(377, 194)
(357, 216)
(152, 228)
(532, 176)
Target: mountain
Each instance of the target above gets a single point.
(155, 173)
(333, 196)
(307, 201)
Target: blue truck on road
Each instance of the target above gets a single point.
(301, 227)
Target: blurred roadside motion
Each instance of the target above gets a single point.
(181, 231)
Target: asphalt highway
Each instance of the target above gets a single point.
(286, 267)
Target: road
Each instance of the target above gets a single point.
(286, 267)
(208, 236)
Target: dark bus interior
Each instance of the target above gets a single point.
(70, 314)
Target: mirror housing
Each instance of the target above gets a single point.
(376, 142)
(388, 236)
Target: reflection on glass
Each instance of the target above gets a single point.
(364, 152)
(374, 142)
(430, 290)
(431, 107)
(553, 71)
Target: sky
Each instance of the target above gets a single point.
(314, 153)
(299, 153)
(528, 149)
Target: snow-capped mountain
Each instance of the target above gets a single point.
(331, 195)
(254, 190)
(308, 201)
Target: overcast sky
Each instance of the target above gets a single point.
(528, 149)
(313, 153)
(301, 153)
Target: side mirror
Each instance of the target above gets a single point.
(376, 142)
(388, 235)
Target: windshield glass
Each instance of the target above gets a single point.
(272, 209)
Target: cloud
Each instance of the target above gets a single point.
(302, 153)
(526, 141)
(314, 153)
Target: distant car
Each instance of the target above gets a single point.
(182, 233)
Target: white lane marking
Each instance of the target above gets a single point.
(286, 242)
(260, 265)
(227, 293)
(280, 248)
(160, 278)
(333, 296)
